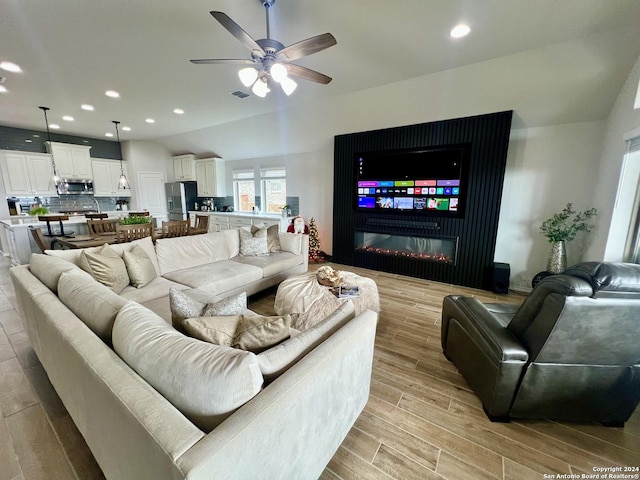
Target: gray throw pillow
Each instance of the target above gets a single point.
(255, 244)
(184, 306)
(139, 266)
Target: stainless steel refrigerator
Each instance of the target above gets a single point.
(181, 197)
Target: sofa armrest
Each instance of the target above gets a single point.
(295, 425)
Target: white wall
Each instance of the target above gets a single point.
(144, 156)
(610, 237)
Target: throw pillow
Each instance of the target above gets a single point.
(273, 237)
(253, 244)
(107, 268)
(139, 266)
(219, 330)
(254, 333)
(184, 306)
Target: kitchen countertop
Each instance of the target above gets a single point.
(272, 216)
(27, 220)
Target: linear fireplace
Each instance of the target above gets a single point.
(412, 247)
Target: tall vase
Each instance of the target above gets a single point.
(557, 262)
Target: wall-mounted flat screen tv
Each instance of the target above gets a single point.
(427, 181)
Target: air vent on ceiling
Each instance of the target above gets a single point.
(240, 94)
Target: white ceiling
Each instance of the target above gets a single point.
(71, 52)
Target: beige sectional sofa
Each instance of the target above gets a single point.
(153, 403)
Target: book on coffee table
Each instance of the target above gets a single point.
(348, 291)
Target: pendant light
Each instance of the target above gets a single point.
(56, 179)
(123, 183)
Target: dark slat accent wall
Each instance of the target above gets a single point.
(16, 139)
(489, 139)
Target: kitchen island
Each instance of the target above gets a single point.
(225, 220)
(18, 243)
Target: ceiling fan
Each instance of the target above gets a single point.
(271, 60)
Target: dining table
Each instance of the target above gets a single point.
(84, 241)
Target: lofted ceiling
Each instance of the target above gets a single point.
(71, 52)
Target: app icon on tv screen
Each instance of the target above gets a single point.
(403, 203)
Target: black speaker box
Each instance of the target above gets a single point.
(500, 277)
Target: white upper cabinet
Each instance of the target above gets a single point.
(211, 178)
(27, 174)
(72, 161)
(183, 168)
(106, 178)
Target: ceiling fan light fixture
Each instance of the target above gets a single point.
(260, 88)
(288, 85)
(248, 76)
(278, 72)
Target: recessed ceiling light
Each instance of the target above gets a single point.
(126, 129)
(3, 89)
(178, 111)
(35, 135)
(10, 67)
(112, 94)
(68, 118)
(28, 140)
(55, 126)
(108, 134)
(87, 107)
(150, 120)
(460, 30)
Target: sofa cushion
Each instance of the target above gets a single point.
(273, 237)
(220, 330)
(277, 360)
(107, 267)
(232, 237)
(292, 242)
(273, 263)
(185, 306)
(157, 288)
(92, 302)
(48, 269)
(139, 267)
(253, 244)
(206, 382)
(190, 251)
(218, 277)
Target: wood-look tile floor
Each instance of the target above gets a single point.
(422, 420)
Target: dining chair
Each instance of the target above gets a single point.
(97, 227)
(175, 228)
(139, 214)
(201, 225)
(128, 233)
(38, 237)
(96, 216)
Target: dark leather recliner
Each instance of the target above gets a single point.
(571, 351)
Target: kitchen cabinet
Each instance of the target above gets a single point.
(183, 168)
(106, 178)
(72, 161)
(27, 174)
(211, 177)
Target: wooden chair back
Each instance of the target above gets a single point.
(175, 228)
(96, 227)
(96, 216)
(128, 233)
(201, 225)
(38, 237)
(139, 214)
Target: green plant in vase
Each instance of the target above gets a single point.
(563, 227)
(135, 220)
(38, 211)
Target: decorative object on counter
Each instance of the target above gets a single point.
(39, 210)
(286, 211)
(136, 219)
(563, 227)
(53, 160)
(122, 205)
(123, 184)
(298, 226)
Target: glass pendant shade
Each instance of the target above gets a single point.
(248, 76)
(288, 85)
(260, 88)
(278, 72)
(123, 183)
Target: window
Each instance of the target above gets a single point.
(274, 189)
(244, 190)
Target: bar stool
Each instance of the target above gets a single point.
(55, 218)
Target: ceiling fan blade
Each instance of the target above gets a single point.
(237, 31)
(307, 47)
(236, 61)
(307, 74)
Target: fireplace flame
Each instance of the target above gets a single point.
(429, 257)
